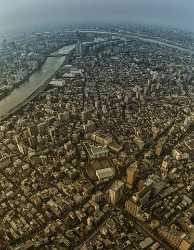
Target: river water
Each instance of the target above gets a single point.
(37, 79)
(127, 35)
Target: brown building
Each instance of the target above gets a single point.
(170, 237)
(185, 245)
(115, 192)
(131, 175)
(132, 208)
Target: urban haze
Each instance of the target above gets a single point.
(27, 14)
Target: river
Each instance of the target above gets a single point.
(37, 79)
(128, 35)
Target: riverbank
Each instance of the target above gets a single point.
(30, 89)
(7, 92)
(29, 99)
(142, 37)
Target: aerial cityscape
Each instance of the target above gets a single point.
(97, 138)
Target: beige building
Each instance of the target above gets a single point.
(101, 139)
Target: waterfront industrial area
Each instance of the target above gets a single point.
(97, 145)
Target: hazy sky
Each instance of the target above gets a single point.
(26, 14)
